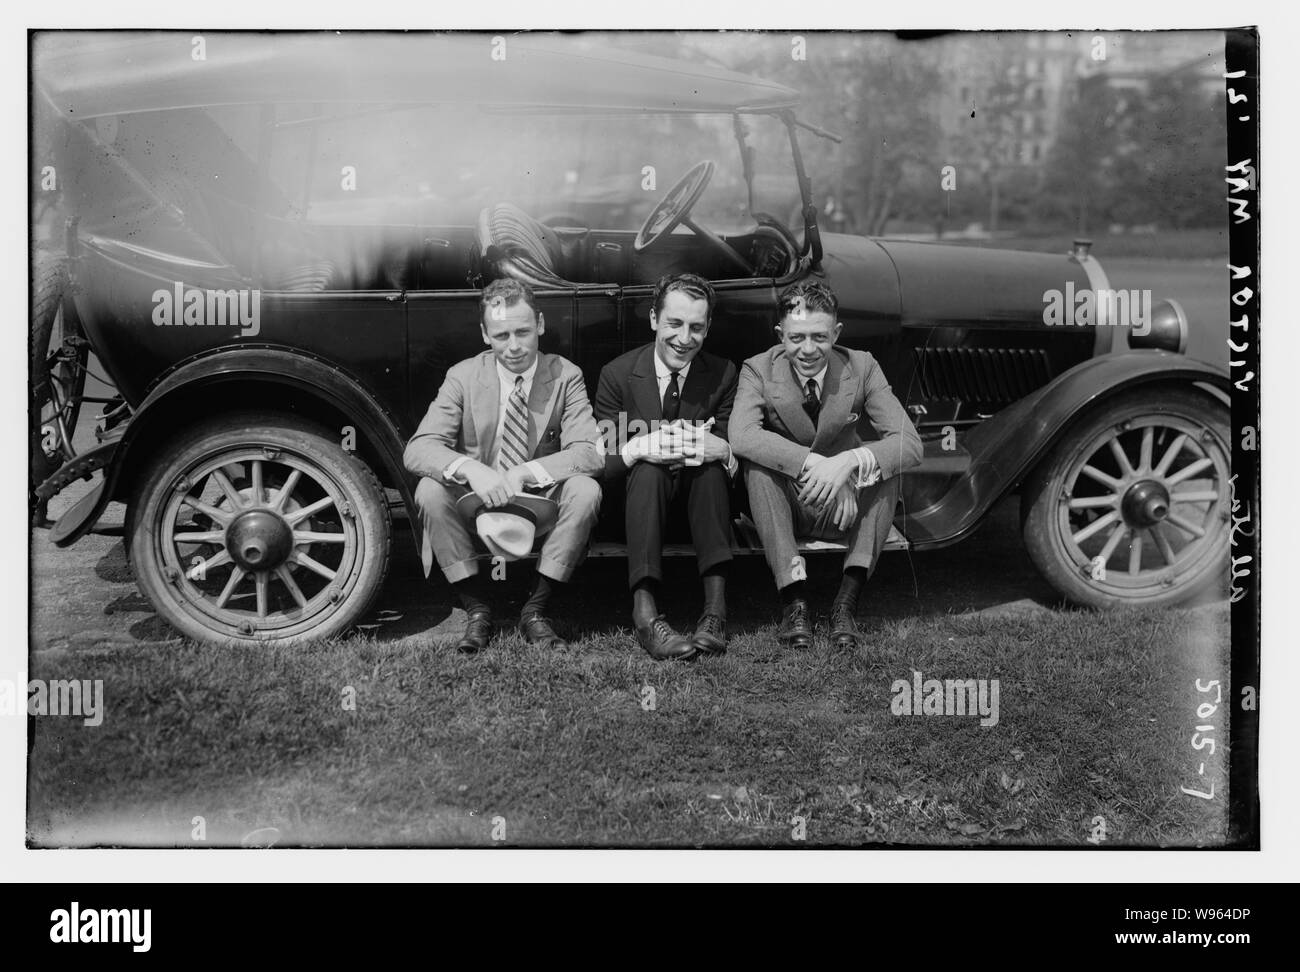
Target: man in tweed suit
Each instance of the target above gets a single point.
(824, 440)
(504, 421)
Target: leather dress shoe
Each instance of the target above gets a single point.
(844, 627)
(710, 637)
(537, 630)
(478, 632)
(795, 630)
(662, 643)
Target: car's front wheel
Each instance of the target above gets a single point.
(259, 530)
(1132, 507)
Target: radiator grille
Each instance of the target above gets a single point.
(982, 374)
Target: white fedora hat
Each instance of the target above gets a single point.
(510, 531)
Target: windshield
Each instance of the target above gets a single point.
(243, 183)
(441, 166)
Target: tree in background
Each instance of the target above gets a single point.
(1081, 178)
(1137, 156)
(873, 90)
(1149, 152)
(1173, 174)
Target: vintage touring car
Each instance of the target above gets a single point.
(274, 246)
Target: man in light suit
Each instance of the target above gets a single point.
(679, 398)
(507, 420)
(824, 440)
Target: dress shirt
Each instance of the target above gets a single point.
(868, 469)
(506, 379)
(664, 375)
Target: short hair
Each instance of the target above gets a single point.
(812, 296)
(507, 292)
(690, 284)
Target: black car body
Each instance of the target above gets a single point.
(215, 270)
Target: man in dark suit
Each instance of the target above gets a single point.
(505, 421)
(824, 440)
(674, 400)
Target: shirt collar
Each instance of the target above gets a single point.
(820, 378)
(662, 371)
(508, 377)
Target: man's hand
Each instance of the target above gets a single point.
(700, 445)
(711, 448)
(517, 477)
(846, 506)
(822, 480)
(489, 484)
(664, 446)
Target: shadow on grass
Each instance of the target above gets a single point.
(989, 571)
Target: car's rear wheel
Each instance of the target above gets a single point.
(259, 530)
(57, 371)
(1132, 507)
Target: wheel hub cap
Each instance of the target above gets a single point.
(1145, 503)
(259, 540)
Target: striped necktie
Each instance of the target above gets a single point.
(514, 433)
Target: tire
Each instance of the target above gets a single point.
(259, 576)
(49, 280)
(1083, 513)
(51, 324)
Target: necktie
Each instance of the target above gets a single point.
(811, 402)
(672, 399)
(514, 433)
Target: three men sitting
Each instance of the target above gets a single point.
(820, 435)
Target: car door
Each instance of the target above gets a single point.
(443, 327)
(742, 323)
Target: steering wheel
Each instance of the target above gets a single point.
(674, 210)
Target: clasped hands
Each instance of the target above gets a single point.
(679, 443)
(831, 481)
(493, 487)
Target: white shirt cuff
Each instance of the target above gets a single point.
(540, 476)
(868, 469)
(450, 473)
(733, 464)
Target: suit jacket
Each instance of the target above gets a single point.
(462, 420)
(770, 427)
(628, 387)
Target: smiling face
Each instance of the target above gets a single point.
(808, 340)
(680, 329)
(511, 331)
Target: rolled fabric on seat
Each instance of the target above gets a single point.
(519, 245)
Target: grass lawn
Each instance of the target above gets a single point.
(546, 749)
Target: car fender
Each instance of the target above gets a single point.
(253, 376)
(1005, 448)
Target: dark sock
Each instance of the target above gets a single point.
(644, 608)
(472, 592)
(855, 578)
(792, 592)
(541, 596)
(715, 591)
